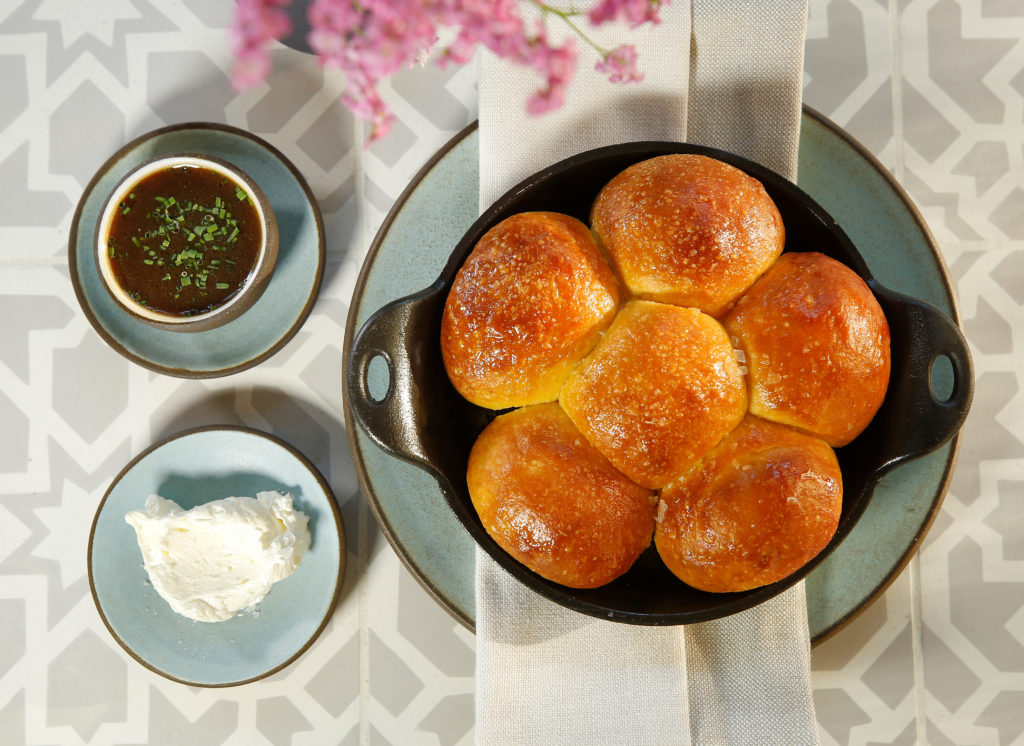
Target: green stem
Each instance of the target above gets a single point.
(567, 17)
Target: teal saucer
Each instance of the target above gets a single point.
(264, 328)
(192, 468)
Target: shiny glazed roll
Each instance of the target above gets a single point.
(762, 504)
(817, 347)
(529, 303)
(658, 392)
(553, 502)
(687, 229)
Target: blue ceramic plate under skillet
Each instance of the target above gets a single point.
(440, 205)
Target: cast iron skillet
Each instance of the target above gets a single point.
(422, 419)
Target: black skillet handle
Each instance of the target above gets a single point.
(392, 420)
(921, 334)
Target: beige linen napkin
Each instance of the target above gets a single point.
(726, 73)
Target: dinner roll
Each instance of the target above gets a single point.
(660, 389)
(687, 229)
(817, 347)
(529, 303)
(759, 507)
(553, 502)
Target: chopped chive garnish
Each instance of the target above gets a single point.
(197, 240)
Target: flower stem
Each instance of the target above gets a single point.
(567, 17)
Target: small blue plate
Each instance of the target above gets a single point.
(192, 468)
(273, 319)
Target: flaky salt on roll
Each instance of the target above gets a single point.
(687, 229)
(658, 392)
(817, 347)
(759, 507)
(553, 502)
(529, 303)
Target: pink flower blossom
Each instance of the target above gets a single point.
(634, 12)
(371, 40)
(558, 65)
(256, 24)
(620, 65)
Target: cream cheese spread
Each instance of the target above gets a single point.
(222, 557)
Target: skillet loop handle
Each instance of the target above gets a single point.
(927, 420)
(389, 420)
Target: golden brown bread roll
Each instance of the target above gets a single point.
(816, 344)
(759, 507)
(528, 304)
(687, 229)
(553, 502)
(660, 389)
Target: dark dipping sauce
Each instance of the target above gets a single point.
(184, 240)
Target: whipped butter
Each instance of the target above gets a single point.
(216, 559)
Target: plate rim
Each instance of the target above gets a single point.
(942, 485)
(346, 351)
(338, 524)
(954, 444)
(185, 372)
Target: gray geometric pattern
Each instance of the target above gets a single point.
(933, 88)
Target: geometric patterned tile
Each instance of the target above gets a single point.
(947, 678)
(333, 687)
(279, 720)
(12, 720)
(931, 87)
(451, 720)
(85, 709)
(988, 330)
(86, 126)
(986, 163)
(984, 437)
(838, 713)
(12, 632)
(971, 590)
(963, 52)
(13, 88)
(21, 203)
(1007, 216)
(891, 676)
(170, 726)
(1003, 714)
(438, 636)
(1007, 519)
(402, 682)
